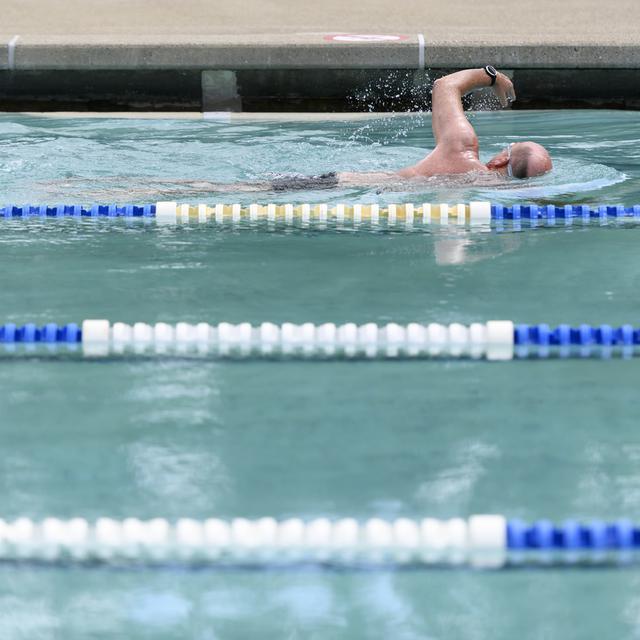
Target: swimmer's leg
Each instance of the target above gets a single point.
(145, 188)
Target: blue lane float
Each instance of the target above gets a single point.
(571, 535)
(78, 211)
(479, 542)
(322, 215)
(492, 340)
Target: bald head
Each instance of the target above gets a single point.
(529, 159)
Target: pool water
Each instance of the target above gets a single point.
(173, 438)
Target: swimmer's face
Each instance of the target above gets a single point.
(522, 160)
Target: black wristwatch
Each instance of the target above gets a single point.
(492, 73)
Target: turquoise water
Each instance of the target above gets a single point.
(178, 438)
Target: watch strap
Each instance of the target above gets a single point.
(492, 73)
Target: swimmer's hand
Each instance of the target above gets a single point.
(503, 88)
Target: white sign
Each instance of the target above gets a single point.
(359, 37)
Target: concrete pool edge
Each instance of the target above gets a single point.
(308, 51)
(303, 72)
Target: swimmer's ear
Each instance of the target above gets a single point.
(499, 161)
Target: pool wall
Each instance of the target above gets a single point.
(294, 89)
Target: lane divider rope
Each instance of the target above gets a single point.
(481, 541)
(323, 215)
(492, 340)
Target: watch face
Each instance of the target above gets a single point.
(491, 70)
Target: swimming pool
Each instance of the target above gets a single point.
(176, 438)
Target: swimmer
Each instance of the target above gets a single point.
(457, 146)
(456, 151)
(454, 160)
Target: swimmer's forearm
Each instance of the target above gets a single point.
(464, 81)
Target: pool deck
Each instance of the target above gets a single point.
(158, 34)
(206, 36)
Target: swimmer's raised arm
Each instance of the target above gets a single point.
(457, 149)
(450, 126)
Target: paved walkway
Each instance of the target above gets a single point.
(212, 34)
(451, 21)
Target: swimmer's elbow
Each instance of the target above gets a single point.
(441, 83)
(444, 85)
(439, 87)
